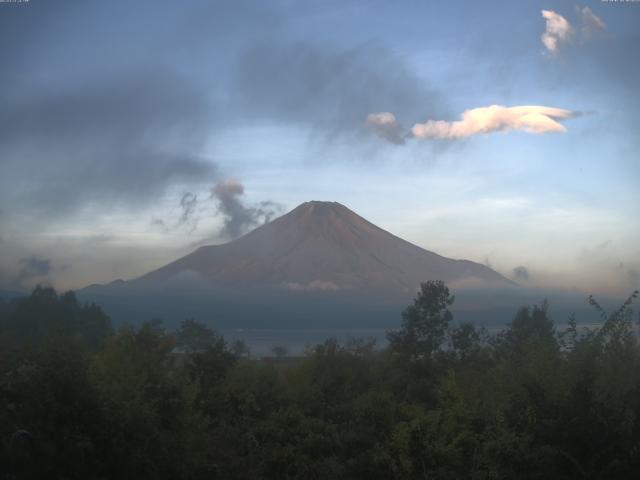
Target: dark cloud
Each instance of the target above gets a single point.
(159, 223)
(630, 274)
(188, 204)
(521, 273)
(189, 217)
(330, 89)
(113, 134)
(121, 140)
(35, 266)
(385, 125)
(32, 268)
(101, 238)
(238, 218)
(94, 123)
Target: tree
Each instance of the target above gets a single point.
(280, 351)
(151, 418)
(467, 341)
(530, 326)
(424, 324)
(193, 336)
(33, 320)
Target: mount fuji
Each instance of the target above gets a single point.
(320, 260)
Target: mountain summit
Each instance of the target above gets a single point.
(322, 246)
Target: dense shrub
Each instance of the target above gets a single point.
(81, 401)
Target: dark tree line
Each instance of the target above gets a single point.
(80, 400)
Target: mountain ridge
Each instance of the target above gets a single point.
(323, 246)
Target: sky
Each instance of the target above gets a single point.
(501, 132)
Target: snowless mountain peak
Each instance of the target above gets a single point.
(323, 246)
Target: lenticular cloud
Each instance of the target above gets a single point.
(495, 118)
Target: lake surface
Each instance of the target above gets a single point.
(262, 342)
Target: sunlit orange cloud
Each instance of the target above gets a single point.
(530, 119)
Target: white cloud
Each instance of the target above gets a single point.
(558, 30)
(495, 118)
(385, 125)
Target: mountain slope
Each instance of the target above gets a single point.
(322, 246)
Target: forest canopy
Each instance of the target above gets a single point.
(80, 399)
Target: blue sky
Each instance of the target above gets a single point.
(120, 118)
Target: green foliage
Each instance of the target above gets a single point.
(34, 320)
(280, 351)
(47, 393)
(80, 401)
(424, 324)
